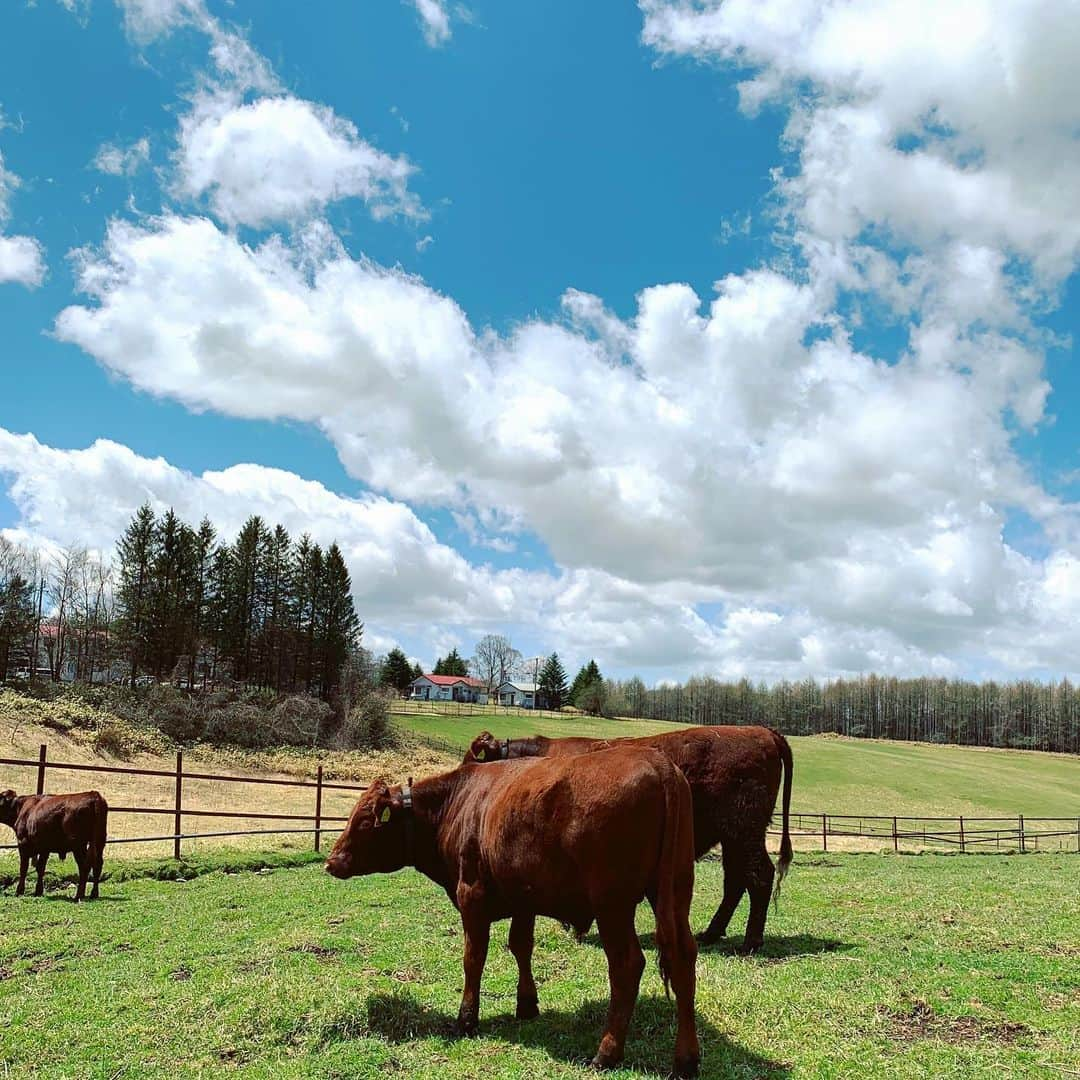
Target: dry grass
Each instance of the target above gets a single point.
(23, 739)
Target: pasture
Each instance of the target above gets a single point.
(843, 776)
(909, 966)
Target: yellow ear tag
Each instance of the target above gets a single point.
(385, 817)
(480, 755)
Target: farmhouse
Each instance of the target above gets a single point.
(449, 688)
(523, 695)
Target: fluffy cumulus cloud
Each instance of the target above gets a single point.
(283, 159)
(434, 21)
(843, 511)
(22, 258)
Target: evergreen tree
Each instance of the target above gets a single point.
(451, 664)
(136, 552)
(396, 671)
(552, 682)
(18, 606)
(417, 670)
(588, 674)
(340, 629)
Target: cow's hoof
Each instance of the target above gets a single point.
(707, 937)
(748, 948)
(605, 1061)
(466, 1026)
(686, 1066)
(527, 1009)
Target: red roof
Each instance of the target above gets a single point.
(449, 680)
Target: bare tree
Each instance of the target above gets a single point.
(495, 660)
(64, 574)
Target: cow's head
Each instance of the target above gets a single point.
(8, 809)
(375, 841)
(485, 747)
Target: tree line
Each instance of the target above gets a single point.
(1022, 714)
(179, 604)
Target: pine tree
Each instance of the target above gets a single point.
(587, 691)
(552, 683)
(136, 551)
(396, 671)
(340, 629)
(451, 664)
(417, 670)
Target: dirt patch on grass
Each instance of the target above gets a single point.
(320, 952)
(919, 1021)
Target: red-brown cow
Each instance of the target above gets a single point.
(734, 775)
(577, 839)
(45, 824)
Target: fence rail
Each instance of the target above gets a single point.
(901, 831)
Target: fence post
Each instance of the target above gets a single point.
(318, 806)
(179, 790)
(895, 838)
(824, 832)
(1023, 846)
(962, 848)
(41, 770)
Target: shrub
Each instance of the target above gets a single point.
(368, 723)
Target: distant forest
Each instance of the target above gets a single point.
(1022, 714)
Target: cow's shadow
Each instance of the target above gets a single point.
(573, 1035)
(776, 948)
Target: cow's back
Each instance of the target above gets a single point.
(563, 835)
(734, 774)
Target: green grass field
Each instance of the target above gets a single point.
(848, 776)
(875, 966)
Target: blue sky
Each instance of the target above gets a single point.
(604, 149)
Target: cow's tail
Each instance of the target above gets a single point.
(672, 890)
(101, 828)
(784, 862)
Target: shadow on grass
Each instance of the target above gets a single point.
(779, 947)
(570, 1036)
(776, 948)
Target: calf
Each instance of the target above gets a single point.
(45, 824)
(577, 839)
(734, 775)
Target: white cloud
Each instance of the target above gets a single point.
(283, 159)
(434, 20)
(119, 160)
(844, 513)
(22, 258)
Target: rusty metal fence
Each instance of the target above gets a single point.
(900, 832)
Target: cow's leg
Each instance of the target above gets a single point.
(39, 866)
(626, 962)
(734, 887)
(522, 930)
(97, 858)
(24, 865)
(759, 882)
(680, 963)
(83, 860)
(477, 933)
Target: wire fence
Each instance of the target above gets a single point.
(810, 831)
(421, 707)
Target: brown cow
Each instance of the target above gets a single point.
(734, 775)
(576, 839)
(45, 824)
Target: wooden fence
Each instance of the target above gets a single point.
(901, 832)
(419, 707)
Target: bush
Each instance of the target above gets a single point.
(241, 723)
(123, 741)
(368, 724)
(175, 713)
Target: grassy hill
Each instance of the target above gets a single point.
(843, 776)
